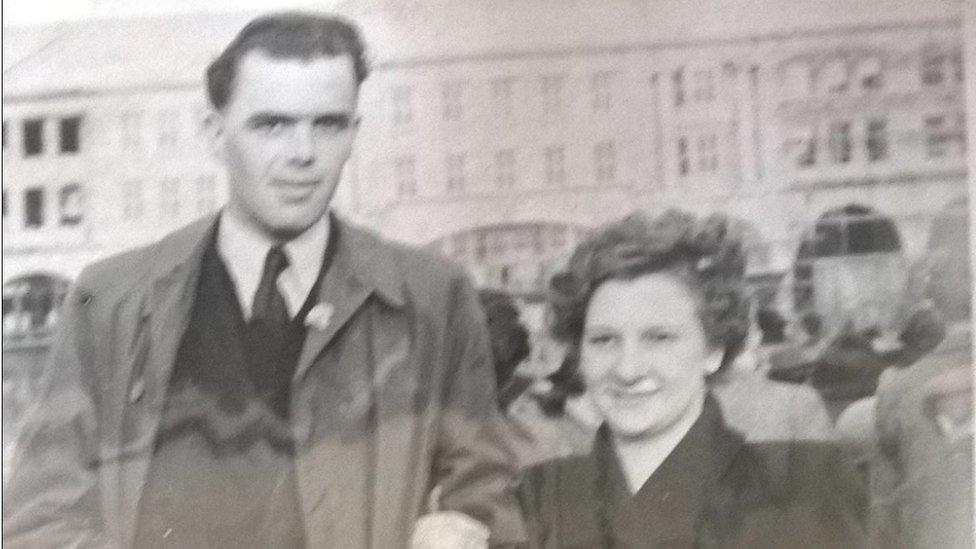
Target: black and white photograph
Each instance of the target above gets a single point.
(465, 274)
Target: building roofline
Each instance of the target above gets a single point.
(665, 45)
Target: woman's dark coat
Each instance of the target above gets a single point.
(713, 490)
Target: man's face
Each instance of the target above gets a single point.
(284, 136)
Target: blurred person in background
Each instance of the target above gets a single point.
(649, 308)
(536, 435)
(921, 468)
(509, 344)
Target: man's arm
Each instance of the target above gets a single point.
(51, 499)
(474, 466)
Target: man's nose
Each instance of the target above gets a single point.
(303, 146)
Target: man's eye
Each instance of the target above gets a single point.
(332, 124)
(600, 339)
(269, 126)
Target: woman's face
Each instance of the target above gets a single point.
(644, 355)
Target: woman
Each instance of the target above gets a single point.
(648, 307)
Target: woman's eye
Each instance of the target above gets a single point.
(657, 336)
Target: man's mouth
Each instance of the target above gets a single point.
(294, 189)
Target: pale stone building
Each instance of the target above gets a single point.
(499, 132)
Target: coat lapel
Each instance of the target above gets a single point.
(170, 301)
(358, 268)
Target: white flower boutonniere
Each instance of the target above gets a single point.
(319, 316)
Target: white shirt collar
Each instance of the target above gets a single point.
(243, 250)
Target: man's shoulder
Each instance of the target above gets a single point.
(122, 270)
(415, 264)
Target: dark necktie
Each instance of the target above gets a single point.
(269, 305)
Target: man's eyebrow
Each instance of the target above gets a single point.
(333, 118)
(269, 117)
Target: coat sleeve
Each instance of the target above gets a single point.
(51, 498)
(883, 472)
(474, 465)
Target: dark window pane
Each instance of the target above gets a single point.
(70, 134)
(33, 137)
(679, 87)
(877, 140)
(71, 205)
(872, 235)
(829, 239)
(34, 208)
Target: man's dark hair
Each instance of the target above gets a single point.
(297, 35)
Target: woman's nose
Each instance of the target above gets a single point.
(630, 367)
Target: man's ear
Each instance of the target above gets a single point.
(714, 361)
(213, 128)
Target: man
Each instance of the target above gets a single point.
(270, 376)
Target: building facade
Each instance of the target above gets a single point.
(500, 133)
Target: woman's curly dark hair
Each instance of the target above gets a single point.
(706, 254)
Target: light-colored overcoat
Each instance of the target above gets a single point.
(393, 393)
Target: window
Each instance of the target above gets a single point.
(169, 197)
(804, 147)
(839, 142)
(133, 204)
(833, 77)
(678, 79)
(402, 98)
(869, 73)
(452, 94)
(404, 169)
(169, 129)
(707, 152)
(31, 305)
(601, 91)
(70, 134)
(205, 190)
(698, 153)
(555, 158)
(72, 206)
(684, 161)
(936, 136)
(503, 96)
(934, 66)
(454, 165)
(945, 135)
(605, 161)
(958, 67)
(34, 208)
(552, 94)
(131, 130)
(876, 141)
(703, 85)
(33, 137)
(505, 168)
